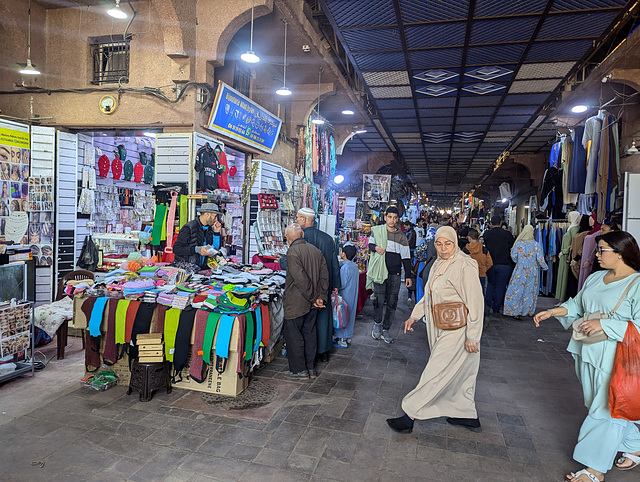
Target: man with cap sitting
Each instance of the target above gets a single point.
(195, 239)
(324, 323)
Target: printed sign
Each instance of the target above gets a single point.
(238, 117)
(376, 187)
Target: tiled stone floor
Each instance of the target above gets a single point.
(330, 429)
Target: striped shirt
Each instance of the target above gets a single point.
(397, 253)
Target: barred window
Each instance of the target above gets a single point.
(110, 56)
(242, 79)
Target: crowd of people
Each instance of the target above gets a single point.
(459, 277)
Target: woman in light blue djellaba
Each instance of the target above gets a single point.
(522, 292)
(601, 437)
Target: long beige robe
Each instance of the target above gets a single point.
(448, 383)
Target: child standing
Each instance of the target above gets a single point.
(349, 277)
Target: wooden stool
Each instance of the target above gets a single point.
(148, 377)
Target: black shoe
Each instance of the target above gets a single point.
(297, 376)
(470, 423)
(401, 424)
(324, 358)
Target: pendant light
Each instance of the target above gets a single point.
(117, 12)
(29, 69)
(250, 56)
(284, 90)
(317, 119)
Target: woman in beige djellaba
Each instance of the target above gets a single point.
(448, 383)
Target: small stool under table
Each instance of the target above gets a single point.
(148, 377)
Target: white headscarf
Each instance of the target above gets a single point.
(574, 218)
(441, 264)
(526, 234)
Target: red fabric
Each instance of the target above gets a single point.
(103, 166)
(363, 292)
(116, 168)
(138, 172)
(266, 324)
(132, 310)
(624, 388)
(233, 171)
(223, 183)
(267, 262)
(596, 224)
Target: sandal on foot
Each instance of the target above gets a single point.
(635, 459)
(577, 475)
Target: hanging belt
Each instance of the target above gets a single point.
(171, 321)
(222, 342)
(197, 367)
(207, 344)
(121, 321)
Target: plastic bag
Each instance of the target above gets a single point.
(624, 388)
(340, 312)
(88, 258)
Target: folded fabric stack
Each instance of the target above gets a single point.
(165, 299)
(148, 271)
(180, 300)
(136, 288)
(150, 296)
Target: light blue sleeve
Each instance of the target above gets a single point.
(575, 307)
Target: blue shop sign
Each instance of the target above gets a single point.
(238, 117)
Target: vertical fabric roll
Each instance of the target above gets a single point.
(207, 344)
(197, 368)
(132, 311)
(242, 332)
(121, 321)
(266, 324)
(183, 337)
(158, 221)
(249, 334)
(110, 353)
(96, 316)
(171, 321)
(258, 334)
(161, 313)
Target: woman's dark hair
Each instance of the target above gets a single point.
(625, 245)
(584, 223)
(613, 226)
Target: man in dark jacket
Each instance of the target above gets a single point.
(324, 324)
(499, 243)
(305, 292)
(196, 236)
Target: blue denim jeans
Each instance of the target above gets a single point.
(497, 280)
(386, 293)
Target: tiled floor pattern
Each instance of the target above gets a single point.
(333, 428)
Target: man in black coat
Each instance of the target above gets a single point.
(196, 236)
(499, 243)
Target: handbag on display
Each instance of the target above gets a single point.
(599, 335)
(267, 201)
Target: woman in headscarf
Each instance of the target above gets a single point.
(522, 292)
(575, 254)
(563, 261)
(448, 383)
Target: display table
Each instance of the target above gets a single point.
(363, 292)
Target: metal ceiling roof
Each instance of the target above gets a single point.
(456, 82)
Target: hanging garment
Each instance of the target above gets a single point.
(208, 167)
(223, 182)
(591, 143)
(554, 155)
(578, 168)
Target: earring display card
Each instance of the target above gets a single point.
(14, 329)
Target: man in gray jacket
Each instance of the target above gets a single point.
(306, 290)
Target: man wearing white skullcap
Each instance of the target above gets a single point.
(324, 322)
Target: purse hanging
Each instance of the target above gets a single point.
(448, 316)
(599, 335)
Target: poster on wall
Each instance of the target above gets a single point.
(238, 117)
(376, 187)
(15, 156)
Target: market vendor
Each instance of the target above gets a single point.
(197, 237)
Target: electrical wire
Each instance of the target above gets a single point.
(154, 91)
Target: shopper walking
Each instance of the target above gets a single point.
(305, 292)
(499, 243)
(389, 254)
(522, 292)
(575, 254)
(448, 382)
(324, 325)
(563, 256)
(477, 251)
(601, 437)
(589, 262)
(411, 239)
(349, 279)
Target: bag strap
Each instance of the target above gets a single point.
(624, 295)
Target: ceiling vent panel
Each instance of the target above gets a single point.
(475, 101)
(488, 73)
(381, 61)
(483, 88)
(434, 102)
(585, 24)
(424, 59)
(372, 39)
(525, 99)
(435, 90)
(567, 5)
(545, 85)
(433, 10)
(360, 13)
(436, 35)
(393, 77)
(390, 92)
(497, 8)
(489, 54)
(559, 50)
(435, 76)
(503, 30)
(544, 71)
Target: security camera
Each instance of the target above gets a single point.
(606, 78)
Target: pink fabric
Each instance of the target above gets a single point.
(588, 256)
(266, 262)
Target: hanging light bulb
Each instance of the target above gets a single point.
(117, 12)
(284, 90)
(29, 69)
(250, 56)
(317, 119)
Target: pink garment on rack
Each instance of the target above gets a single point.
(304, 196)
